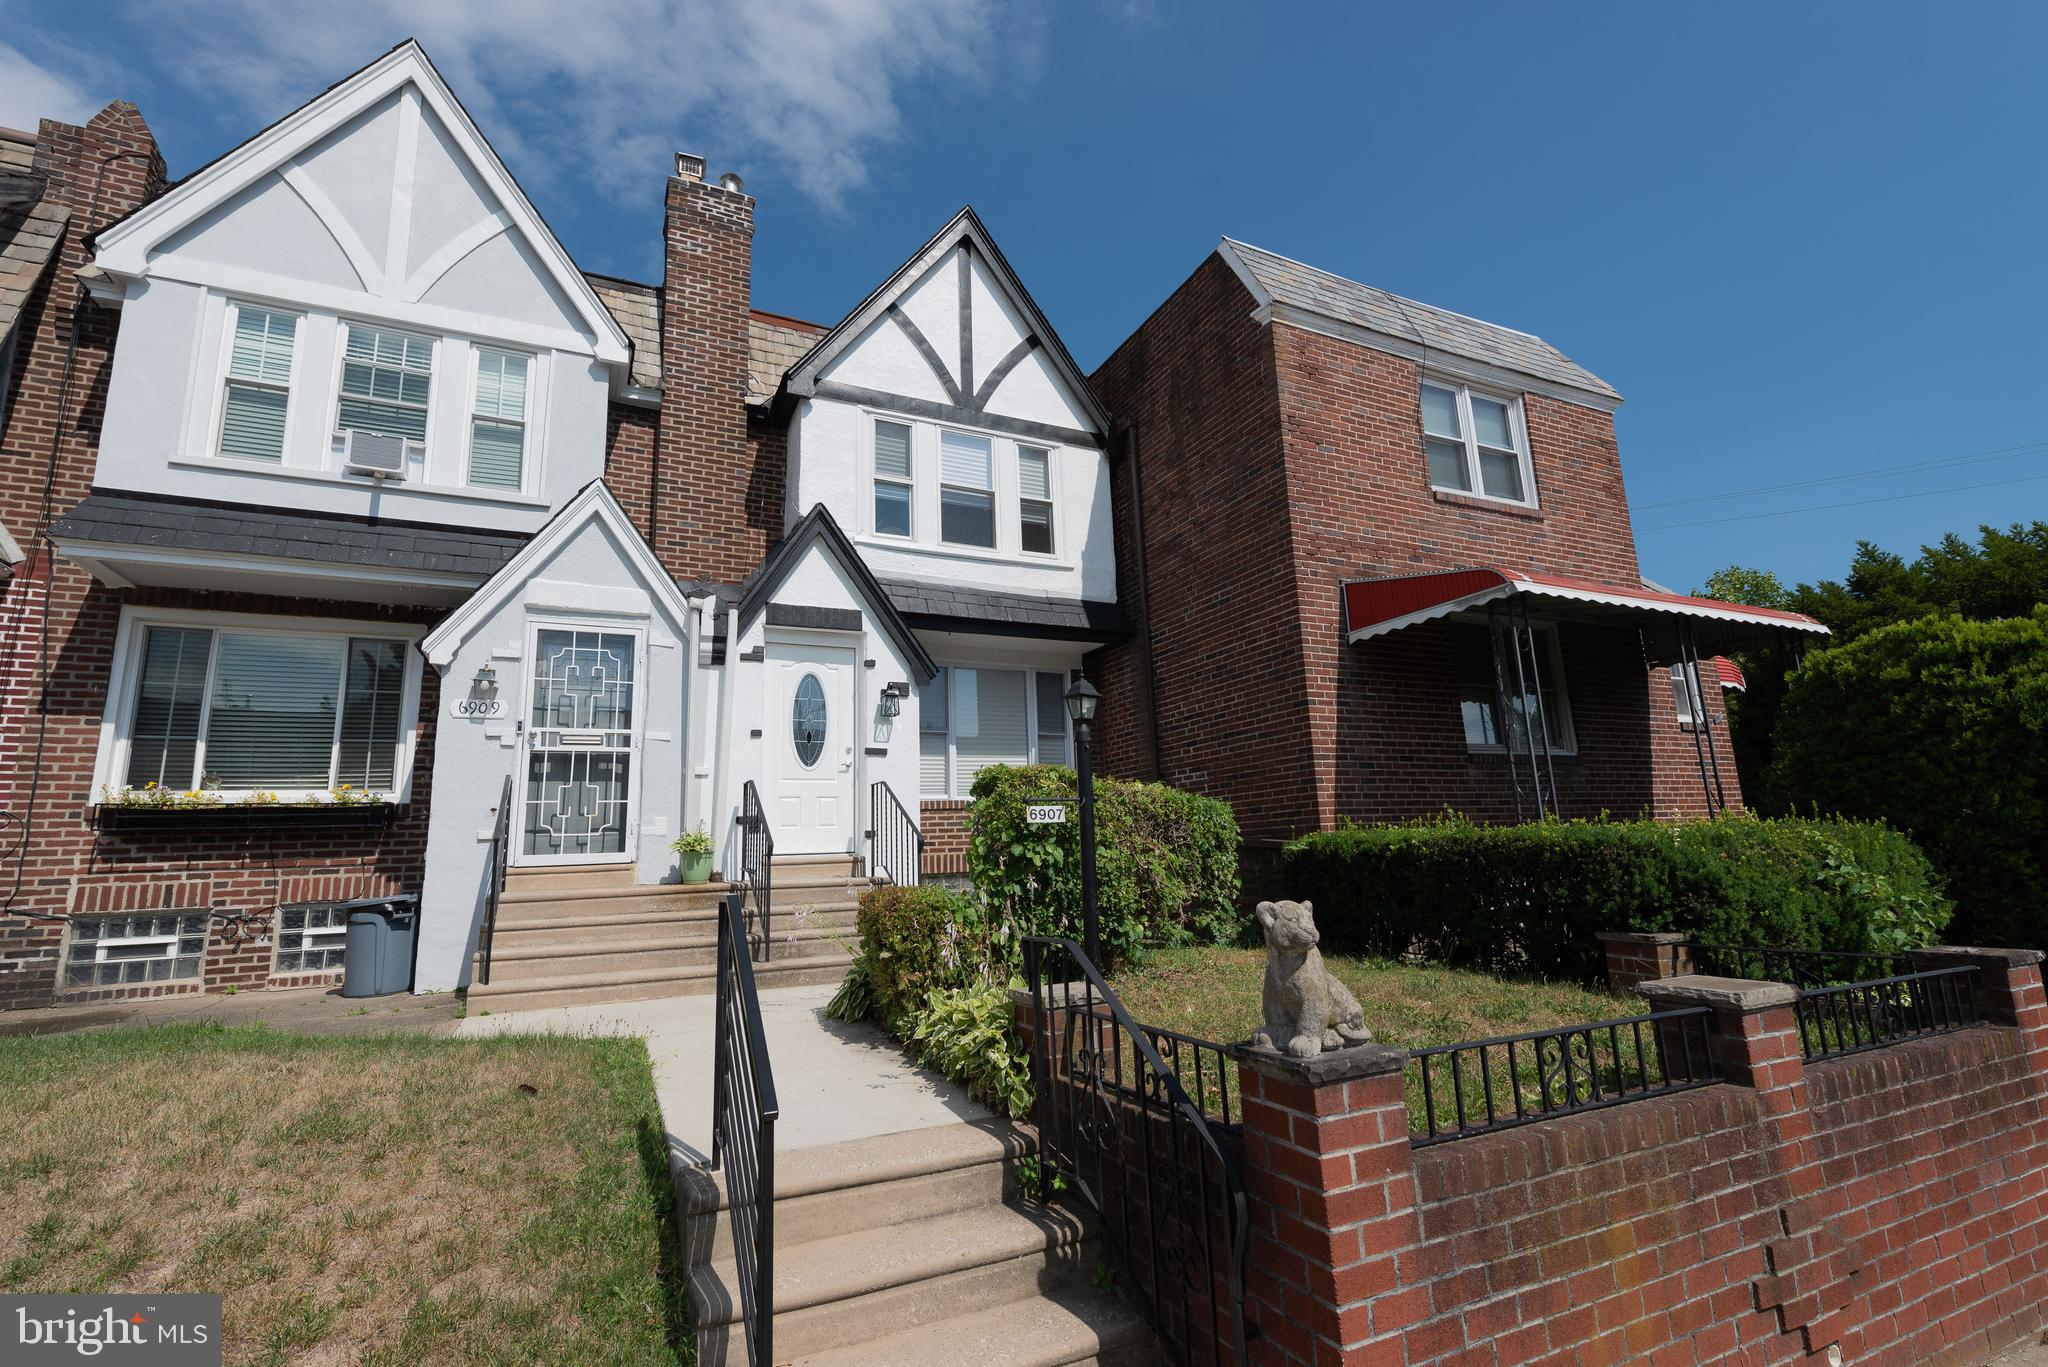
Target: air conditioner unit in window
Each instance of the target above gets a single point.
(380, 454)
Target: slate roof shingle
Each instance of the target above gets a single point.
(1332, 296)
(774, 343)
(112, 516)
(29, 235)
(927, 603)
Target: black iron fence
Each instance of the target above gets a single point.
(743, 1114)
(1802, 968)
(494, 883)
(1459, 1090)
(1118, 1129)
(757, 870)
(1848, 1018)
(895, 844)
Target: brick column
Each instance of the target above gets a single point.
(1756, 1042)
(1330, 1184)
(2008, 983)
(1640, 956)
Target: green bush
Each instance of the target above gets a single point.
(917, 940)
(1166, 860)
(968, 1033)
(1533, 898)
(1939, 727)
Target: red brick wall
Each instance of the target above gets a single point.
(944, 827)
(631, 435)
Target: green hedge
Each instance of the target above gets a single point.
(1940, 727)
(1166, 860)
(917, 940)
(1533, 898)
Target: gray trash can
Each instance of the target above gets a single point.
(376, 958)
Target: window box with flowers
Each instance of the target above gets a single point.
(152, 807)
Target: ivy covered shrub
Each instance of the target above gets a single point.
(1533, 898)
(1939, 727)
(1166, 860)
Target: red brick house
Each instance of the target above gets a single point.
(1325, 496)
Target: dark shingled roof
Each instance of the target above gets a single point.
(935, 607)
(114, 516)
(1347, 301)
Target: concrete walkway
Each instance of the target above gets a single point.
(835, 1081)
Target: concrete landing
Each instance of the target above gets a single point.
(835, 1081)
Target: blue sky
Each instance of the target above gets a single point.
(1805, 241)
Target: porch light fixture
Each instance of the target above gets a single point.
(484, 687)
(892, 701)
(1082, 700)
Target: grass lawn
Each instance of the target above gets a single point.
(381, 1200)
(1214, 994)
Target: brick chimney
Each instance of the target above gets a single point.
(712, 521)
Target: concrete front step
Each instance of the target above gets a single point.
(564, 876)
(586, 989)
(1071, 1326)
(787, 894)
(516, 959)
(852, 1289)
(574, 932)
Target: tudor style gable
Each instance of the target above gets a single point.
(357, 311)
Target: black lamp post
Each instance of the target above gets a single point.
(1082, 700)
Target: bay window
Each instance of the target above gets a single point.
(257, 710)
(972, 718)
(1484, 679)
(967, 498)
(258, 384)
(893, 483)
(1475, 443)
(497, 424)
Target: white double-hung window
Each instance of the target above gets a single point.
(386, 380)
(967, 490)
(895, 489)
(1476, 443)
(497, 425)
(972, 718)
(1034, 499)
(258, 710)
(257, 394)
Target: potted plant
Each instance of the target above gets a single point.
(693, 852)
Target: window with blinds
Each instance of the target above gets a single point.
(258, 382)
(967, 500)
(385, 381)
(970, 719)
(893, 483)
(1034, 499)
(497, 425)
(248, 711)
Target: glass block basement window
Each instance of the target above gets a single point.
(110, 951)
(310, 938)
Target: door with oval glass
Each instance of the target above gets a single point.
(809, 740)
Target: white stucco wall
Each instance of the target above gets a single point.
(591, 582)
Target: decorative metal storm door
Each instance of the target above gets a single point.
(582, 737)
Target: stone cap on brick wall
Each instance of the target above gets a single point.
(1329, 1067)
(1643, 937)
(1698, 989)
(1955, 956)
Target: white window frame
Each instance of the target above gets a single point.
(470, 416)
(994, 489)
(1518, 430)
(1554, 667)
(952, 670)
(417, 449)
(229, 315)
(100, 942)
(876, 477)
(111, 765)
(1689, 710)
(332, 937)
(1051, 500)
(927, 479)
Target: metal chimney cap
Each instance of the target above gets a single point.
(689, 166)
(731, 181)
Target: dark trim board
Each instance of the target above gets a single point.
(966, 417)
(816, 619)
(982, 626)
(819, 528)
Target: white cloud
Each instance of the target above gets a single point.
(29, 92)
(811, 89)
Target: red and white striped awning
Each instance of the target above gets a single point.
(1375, 607)
(1728, 672)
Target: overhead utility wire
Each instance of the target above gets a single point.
(1852, 503)
(1971, 458)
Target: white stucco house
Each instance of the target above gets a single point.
(390, 498)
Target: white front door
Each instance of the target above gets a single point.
(809, 740)
(582, 745)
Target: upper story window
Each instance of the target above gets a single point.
(258, 383)
(894, 485)
(967, 496)
(497, 425)
(1476, 443)
(386, 380)
(1034, 499)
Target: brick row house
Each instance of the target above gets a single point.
(346, 518)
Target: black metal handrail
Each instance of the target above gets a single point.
(494, 888)
(757, 869)
(1141, 1153)
(1494, 1084)
(895, 844)
(1802, 968)
(1848, 1018)
(743, 1114)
